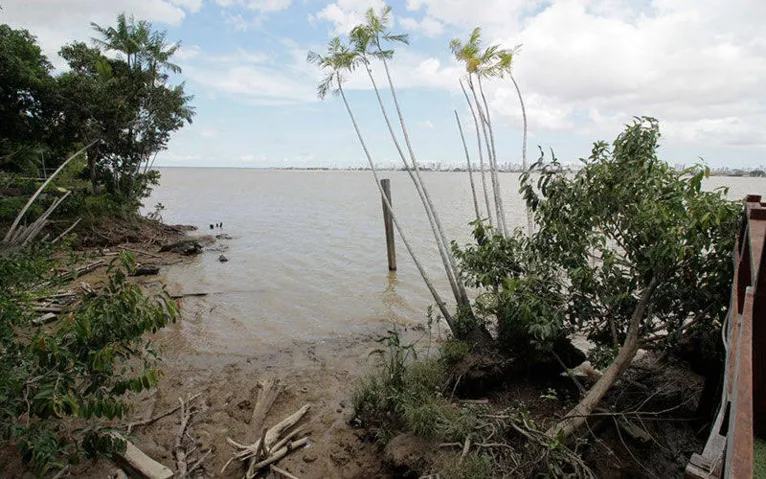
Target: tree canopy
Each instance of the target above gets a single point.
(127, 103)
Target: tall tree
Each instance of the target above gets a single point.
(26, 87)
(369, 39)
(342, 59)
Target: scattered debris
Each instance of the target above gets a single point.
(141, 252)
(186, 295)
(185, 444)
(146, 271)
(142, 465)
(270, 389)
(44, 319)
(81, 271)
(157, 418)
(281, 472)
(223, 258)
(186, 247)
(274, 444)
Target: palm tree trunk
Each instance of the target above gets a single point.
(494, 157)
(481, 153)
(31, 200)
(490, 157)
(451, 273)
(462, 298)
(470, 171)
(439, 301)
(530, 225)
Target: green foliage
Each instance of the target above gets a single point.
(454, 350)
(127, 103)
(759, 459)
(625, 219)
(471, 466)
(77, 371)
(521, 290)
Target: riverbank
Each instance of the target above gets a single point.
(315, 373)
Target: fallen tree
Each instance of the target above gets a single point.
(644, 252)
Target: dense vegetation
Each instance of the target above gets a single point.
(122, 108)
(626, 251)
(61, 385)
(78, 143)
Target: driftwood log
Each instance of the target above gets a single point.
(185, 444)
(274, 443)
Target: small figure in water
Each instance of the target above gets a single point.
(211, 227)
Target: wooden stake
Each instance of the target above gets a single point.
(389, 224)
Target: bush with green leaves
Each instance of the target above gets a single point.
(521, 292)
(60, 385)
(629, 252)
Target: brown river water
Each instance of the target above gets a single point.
(307, 258)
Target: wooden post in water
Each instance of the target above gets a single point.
(389, 223)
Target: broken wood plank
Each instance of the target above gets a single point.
(270, 389)
(138, 251)
(281, 472)
(49, 308)
(81, 271)
(144, 466)
(44, 319)
(277, 456)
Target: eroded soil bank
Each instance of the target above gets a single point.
(322, 374)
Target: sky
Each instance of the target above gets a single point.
(585, 68)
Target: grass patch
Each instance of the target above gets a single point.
(759, 459)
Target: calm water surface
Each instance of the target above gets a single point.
(308, 255)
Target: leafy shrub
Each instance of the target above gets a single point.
(79, 370)
(454, 350)
(521, 290)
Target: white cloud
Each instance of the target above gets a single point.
(346, 14)
(56, 22)
(237, 21)
(257, 84)
(192, 6)
(187, 52)
(427, 124)
(259, 5)
(210, 132)
(428, 26)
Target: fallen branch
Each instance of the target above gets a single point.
(64, 471)
(273, 445)
(81, 271)
(138, 251)
(66, 231)
(276, 456)
(186, 295)
(281, 472)
(182, 450)
(44, 319)
(158, 417)
(136, 460)
(269, 391)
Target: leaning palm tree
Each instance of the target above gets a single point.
(470, 53)
(368, 39)
(361, 38)
(341, 59)
(470, 170)
(503, 67)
